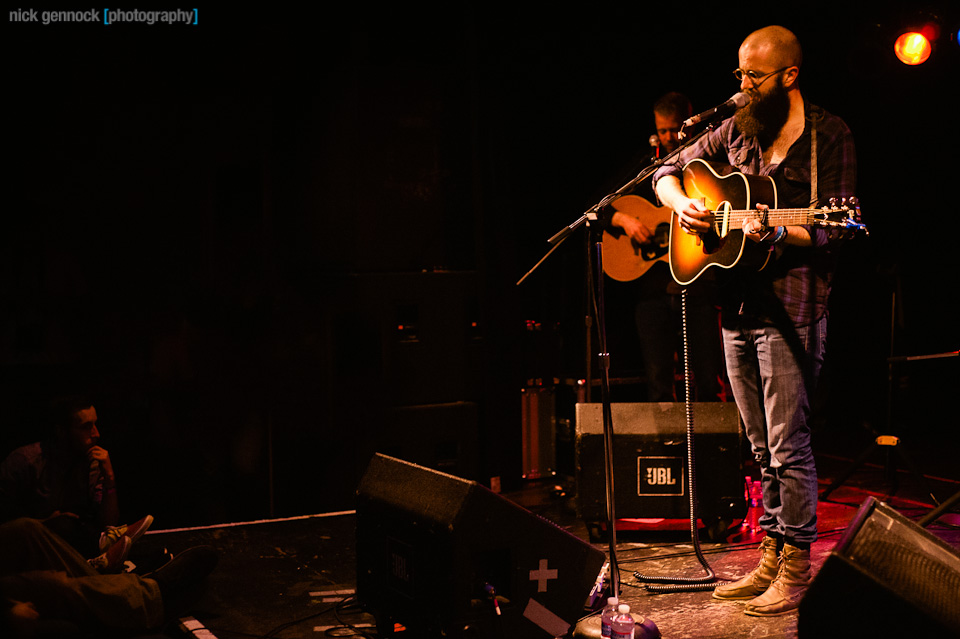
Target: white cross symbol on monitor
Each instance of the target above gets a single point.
(542, 574)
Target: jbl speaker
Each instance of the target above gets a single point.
(886, 577)
(650, 461)
(440, 554)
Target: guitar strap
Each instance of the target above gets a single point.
(815, 115)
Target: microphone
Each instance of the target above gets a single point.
(725, 110)
(654, 140)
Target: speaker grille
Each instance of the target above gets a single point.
(429, 544)
(922, 570)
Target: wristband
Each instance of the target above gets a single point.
(780, 236)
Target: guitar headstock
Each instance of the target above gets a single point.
(843, 213)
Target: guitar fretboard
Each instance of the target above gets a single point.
(775, 217)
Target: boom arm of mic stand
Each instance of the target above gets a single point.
(593, 212)
(652, 168)
(562, 234)
(558, 239)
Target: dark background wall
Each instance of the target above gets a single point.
(274, 244)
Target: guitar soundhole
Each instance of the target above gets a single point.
(711, 243)
(659, 244)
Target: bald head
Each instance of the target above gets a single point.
(774, 44)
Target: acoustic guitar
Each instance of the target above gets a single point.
(732, 198)
(623, 258)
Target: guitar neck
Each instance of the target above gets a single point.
(775, 217)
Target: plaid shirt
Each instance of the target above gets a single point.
(796, 284)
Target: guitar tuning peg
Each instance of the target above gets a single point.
(833, 202)
(854, 201)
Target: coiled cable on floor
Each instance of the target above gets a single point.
(684, 584)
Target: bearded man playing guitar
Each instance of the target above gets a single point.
(774, 320)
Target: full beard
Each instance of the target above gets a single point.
(763, 118)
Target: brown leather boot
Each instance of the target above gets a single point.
(787, 589)
(757, 581)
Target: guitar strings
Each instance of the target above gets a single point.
(785, 217)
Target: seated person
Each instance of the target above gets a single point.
(44, 581)
(67, 480)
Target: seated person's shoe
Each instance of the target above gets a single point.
(185, 570)
(134, 531)
(114, 559)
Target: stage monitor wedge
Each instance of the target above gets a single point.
(887, 577)
(432, 547)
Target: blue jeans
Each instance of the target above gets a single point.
(772, 374)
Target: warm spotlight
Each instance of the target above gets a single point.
(913, 48)
(917, 38)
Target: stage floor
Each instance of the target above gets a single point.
(295, 577)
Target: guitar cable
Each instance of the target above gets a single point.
(685, 584)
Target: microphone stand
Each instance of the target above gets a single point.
(592, 215)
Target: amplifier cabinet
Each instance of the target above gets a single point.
(650, 461)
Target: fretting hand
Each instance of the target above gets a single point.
(755, 228)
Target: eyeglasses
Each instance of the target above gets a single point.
(756, 79)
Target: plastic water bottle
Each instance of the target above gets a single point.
(756, 506)
(606, 617)
(756, 494)
(623, 624)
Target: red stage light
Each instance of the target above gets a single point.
(913, 48)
